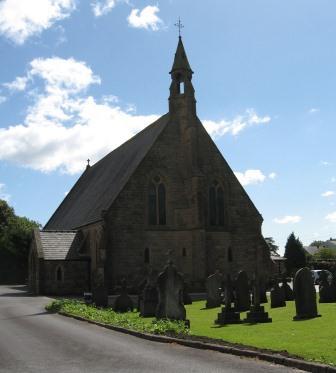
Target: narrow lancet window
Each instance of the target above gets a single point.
(147, 256)
(152, 216)
(216, 205)
(59, 274)
(156, 202)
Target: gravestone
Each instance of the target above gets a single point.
(186, 296)
(99, 291)
(228, 315)
(213, 290)
(287, 290)
(243, 296)
(325, 289)
(148, 299)
(257, 312)
(100, 296)
(305, 295)
(170, 286)
(123, 302)
(333, 285)
(277, 296)
(262, 287)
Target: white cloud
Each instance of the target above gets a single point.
(331, 217)
(326, 163)
(21, 19)
(250, 177)
(333, 179)
(236, 125)
(272, 175)
(288, 219)
(101, 8)
(64, 126)
(313, 110)
(146, 18)
(3, 195)
(18, 84)
(3, 99)
(328, 193)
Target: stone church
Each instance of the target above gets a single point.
(166, 192)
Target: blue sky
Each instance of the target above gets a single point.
(79, 77)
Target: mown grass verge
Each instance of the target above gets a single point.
(129, 320)
(312, 340)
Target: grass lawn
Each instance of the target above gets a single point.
(313, 339)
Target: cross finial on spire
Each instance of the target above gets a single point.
(179, 26)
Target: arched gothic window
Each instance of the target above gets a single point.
(59, 274)
(146, 256)
(230, 257)
(216, 205)
(156, 202)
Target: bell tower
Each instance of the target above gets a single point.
(182, 93)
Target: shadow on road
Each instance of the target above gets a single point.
(29, 315)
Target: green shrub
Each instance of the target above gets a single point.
(128, 320)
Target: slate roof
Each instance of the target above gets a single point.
(100, 184)
(59, 245)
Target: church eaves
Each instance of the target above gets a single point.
(101, 183)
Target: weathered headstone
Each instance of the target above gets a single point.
(242, 291)
(325, 289)
(305, 295)
(100, 296)
(333, 285)
(228, 315)
(257, 312)
(170, 285)
(277, 296)
(213, 289)
(287, 290)
(262, 287)
(123, 302)
(186, 296)
(149, 297)
(99, 290)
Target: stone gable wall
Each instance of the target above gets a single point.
(187, 161)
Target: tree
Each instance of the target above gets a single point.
(325, 253)
(15, 238)
(294, 253)
(273, 248)
(317, 243)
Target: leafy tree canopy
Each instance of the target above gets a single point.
(272, 246)
(15, 237)
(295, 253)
(325, 253)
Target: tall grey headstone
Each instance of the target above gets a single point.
(213, 290)
(277, 296)
(170, 286)
(305, 295)
(242, 291)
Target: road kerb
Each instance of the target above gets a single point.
(275, 358)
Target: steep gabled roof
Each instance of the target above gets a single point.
(60, 245)
(100, 184)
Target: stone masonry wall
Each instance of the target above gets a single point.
(206, 248)
(75, 279)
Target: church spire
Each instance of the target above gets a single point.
(182, 93)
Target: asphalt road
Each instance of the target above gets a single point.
(32, 340)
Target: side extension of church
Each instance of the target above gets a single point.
(166, 192)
